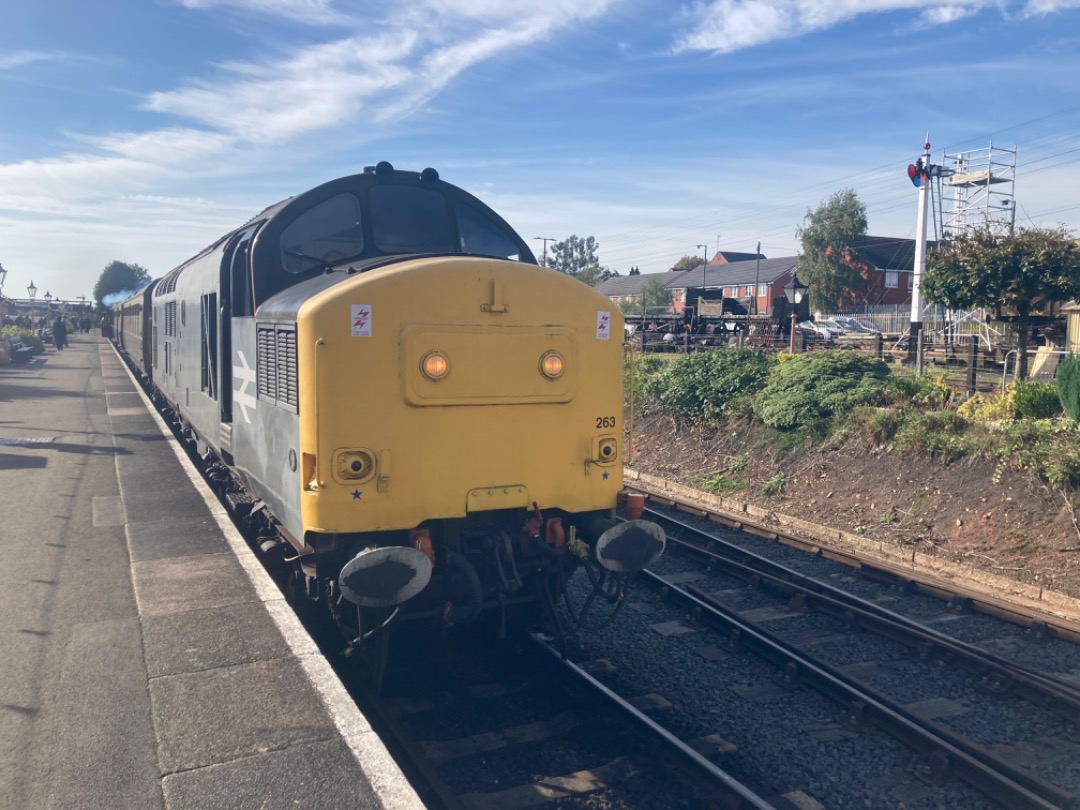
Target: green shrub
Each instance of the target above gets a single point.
(808, 389)
(989, 407)
(927, 391)
(1068, 385)
(707, 386)
(26, 336)
(878, 425)
(939, 434)
(1036, 400)
(647, 370)
(773, 485)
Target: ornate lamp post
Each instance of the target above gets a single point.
(794, 292)
(3, 277)
(32, 292)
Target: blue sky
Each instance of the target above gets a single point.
(141, 130)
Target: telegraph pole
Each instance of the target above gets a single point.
(545, 240)
(757, 277)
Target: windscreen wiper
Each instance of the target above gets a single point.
(322, 263)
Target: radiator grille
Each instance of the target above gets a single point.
(276, 377)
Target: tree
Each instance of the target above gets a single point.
(1024, 271)
(594, 275)
(119, 277)
(688, 263)
(830, 231)
(653, 295)
(573, 255)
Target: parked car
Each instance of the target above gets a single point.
(835, 327)
(815, 330)
(854, 325)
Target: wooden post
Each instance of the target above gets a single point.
(879, 345)
(973, 356)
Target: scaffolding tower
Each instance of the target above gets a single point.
(979, 192)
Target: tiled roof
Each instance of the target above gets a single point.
(725, 275)
(628, 285)
(730, 256)
(886, 253)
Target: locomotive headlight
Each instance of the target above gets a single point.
(355, 465)
(552, 364)
(435, 366)
(609, 449)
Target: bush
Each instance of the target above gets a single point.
(707, 386)
(1068, 385)
(1036, 400)
(647, 369)
(989, 407)
(809, 389)
(24, 336)
(928, 391)
(939, 434)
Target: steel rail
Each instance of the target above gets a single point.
(733, 788)
(1037, 621)
(1033, 684)
(1001, 781)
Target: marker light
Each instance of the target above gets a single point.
(434, 366)
(551, 364)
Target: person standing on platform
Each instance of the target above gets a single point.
(60, 333)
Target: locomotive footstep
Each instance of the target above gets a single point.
(382, 577)
(630, 546)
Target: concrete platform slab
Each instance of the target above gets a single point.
(179, 584)
(174, 537)
(188, 642)
(209, 717)
(319, 775)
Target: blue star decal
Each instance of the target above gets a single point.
(605, 476)
(356, 494)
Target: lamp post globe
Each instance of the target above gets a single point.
(795, 291)
(32, 291)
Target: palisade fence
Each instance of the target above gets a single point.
(939, 325)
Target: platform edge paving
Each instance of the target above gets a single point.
(389, 787)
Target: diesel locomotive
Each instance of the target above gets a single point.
(426, 420)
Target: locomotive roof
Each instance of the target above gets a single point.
(382, 174)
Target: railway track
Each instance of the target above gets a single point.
(989, 713)
(524, 727)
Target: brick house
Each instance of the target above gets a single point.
(749, 281)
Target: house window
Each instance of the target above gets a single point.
(910, 281)
(892, 279)
(748, 290)
(762, 289)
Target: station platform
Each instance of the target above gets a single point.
(147, 659)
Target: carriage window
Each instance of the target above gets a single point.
(480, 235)
(327, 233)
(405, 219)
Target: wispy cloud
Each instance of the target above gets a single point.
(312, 12)
(10, 61)
(724, 26)
(397, 64)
